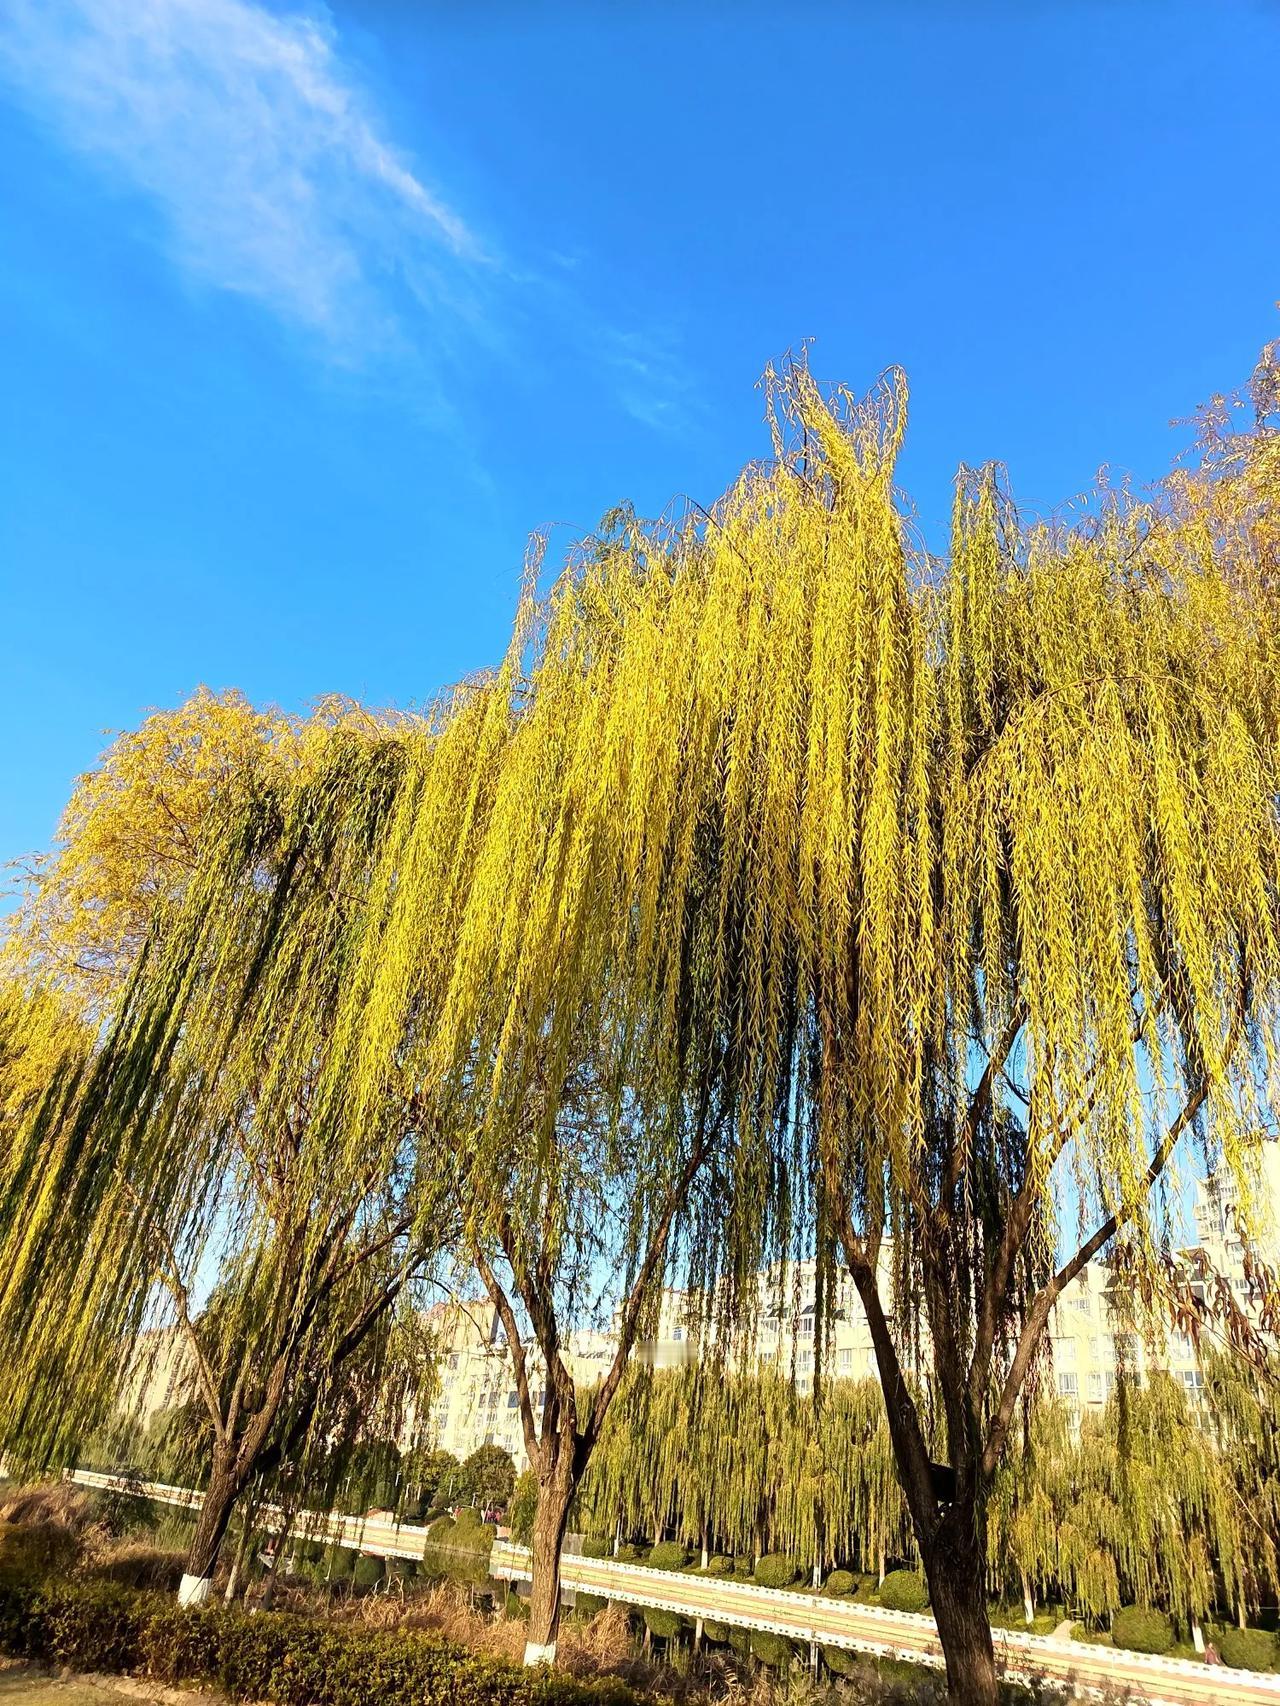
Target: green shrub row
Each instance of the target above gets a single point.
(1137, 1629)
(268, 1656)
(1249, 1649)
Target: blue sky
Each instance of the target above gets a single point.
(308, 317)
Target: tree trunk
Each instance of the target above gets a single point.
(225, 1487)
(955, 1567)
(555, 1495)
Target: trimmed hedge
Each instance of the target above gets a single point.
(1140, 1630)
(714, 1631)
(588, 1604)
(668, 1555)
(1248, 1649)
(840, 1661)
(904, 1590)
(772, 1650)
(775, 1570)
(719, 1565)
(368, 1572)
(594, 1547)
(269, 1656)
(629, 1554)
(662, 1623)
(840, 1583)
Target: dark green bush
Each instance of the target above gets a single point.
(904, 1590)
(269, 1656)
(773, 1650)
(36, 1549)
(1248, 1649)
(719, 1565)
(368, 1572)
(1138, 1629)
(713, 1631)
(594, 1547)
(664, 1623)
(588, 1604)
(629, 1554)
(340, 1561)
(840, 1583)
(668, 1555)
(775, 1570)
(840, 1661)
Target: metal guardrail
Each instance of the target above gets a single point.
(845, 1624)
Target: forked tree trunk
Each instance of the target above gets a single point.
(555, 1495)
(956, 1571)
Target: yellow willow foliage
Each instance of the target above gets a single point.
(193, 1146)
(742, 1462)
(765, 829)
(789, 826)
(128, 838)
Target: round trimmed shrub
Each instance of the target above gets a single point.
(668, 1555)
(340, 1561)
(840, 1661)
(740, 1640)
(594, 1547)
(772, 1650)
(588, 1604)
(1138, 1629)
(719, 1565)
(742, 1567)
(629, 1554)
(469, 1516)
(663, 1623)
(718, 1632)
(840, 1583)
(904, 1590)
(442, 1529)
(1248, 1649)
(775, 1570)
(368, 1572)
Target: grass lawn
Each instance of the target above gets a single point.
(35, 1687)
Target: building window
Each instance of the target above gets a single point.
(1068, 1386)
(846, 1358)
(1064, 1350)
(1095, 1389)
(678, 1334)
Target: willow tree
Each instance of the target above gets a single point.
(202, 1139)
(894, 895)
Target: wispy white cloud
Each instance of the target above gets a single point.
(271, 173)
(255, 143)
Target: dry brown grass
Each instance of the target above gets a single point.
(47, 1502)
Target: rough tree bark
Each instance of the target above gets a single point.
(559, 1444)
